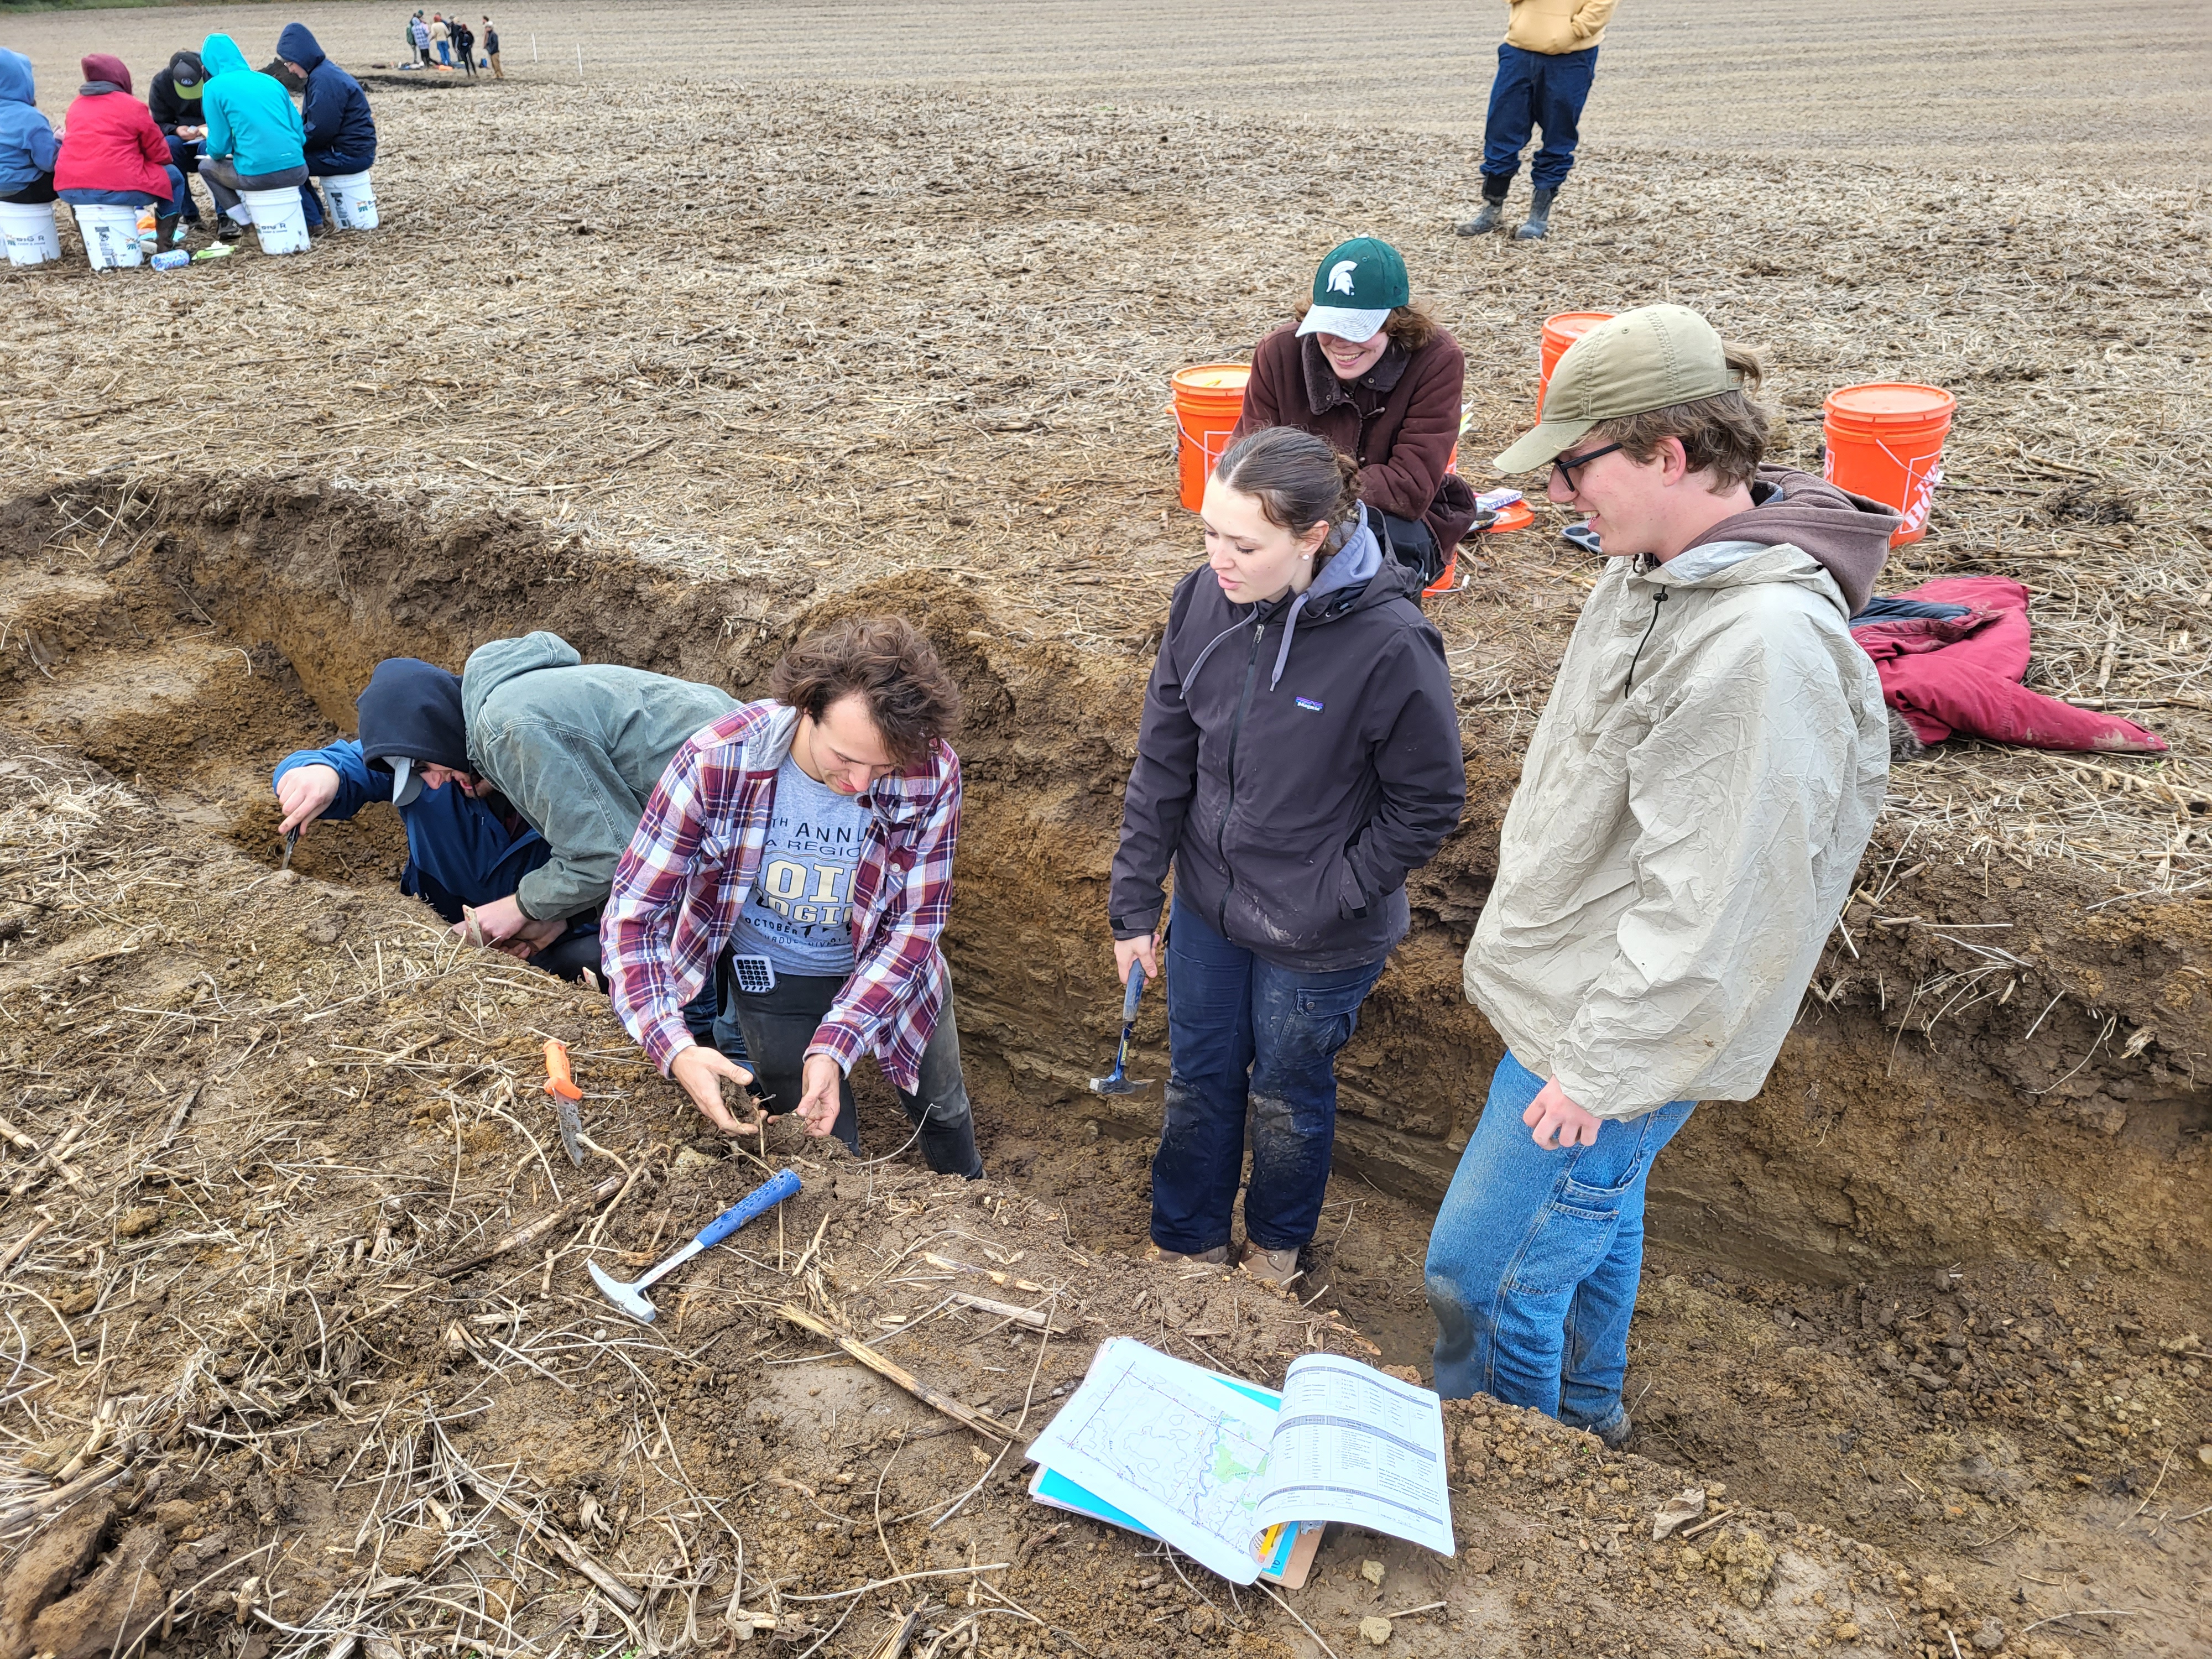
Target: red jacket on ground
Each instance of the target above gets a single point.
(113, 144)
(1960, 676)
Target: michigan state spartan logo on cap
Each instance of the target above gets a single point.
(1365, 274)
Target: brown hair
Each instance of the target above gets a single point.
(1299, 479)
(889, 663)
(1726, 434)
(1409, 327)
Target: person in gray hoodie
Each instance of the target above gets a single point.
(572, 750)
(1690, 814)
(1299, 756)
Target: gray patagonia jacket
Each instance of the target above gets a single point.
(576, 749)
(1691, 813)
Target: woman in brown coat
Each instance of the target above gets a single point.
(1380, 381)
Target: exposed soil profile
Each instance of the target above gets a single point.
(1913, 1353)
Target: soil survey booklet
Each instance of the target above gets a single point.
(1212, 1468)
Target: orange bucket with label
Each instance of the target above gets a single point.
(1885, 440)
(1560, 332)
(1208, 400)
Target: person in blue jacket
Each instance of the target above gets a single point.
(254, 138)
(29, 147)
(341, 133)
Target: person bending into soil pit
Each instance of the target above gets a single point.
(339, 134)
(1300, 755)
(1691, 812)
(29, 148)
(254, 137)
(113, 155)
(520, 781)
(802, 848)
(1366, 368)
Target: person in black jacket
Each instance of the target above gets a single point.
(465, 43)
(1300, 755)
(173, 96)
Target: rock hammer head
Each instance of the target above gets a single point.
(630, 1297)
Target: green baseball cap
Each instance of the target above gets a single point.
(1359, 283)
(1651, 358)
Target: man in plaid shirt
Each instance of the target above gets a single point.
(802, 848)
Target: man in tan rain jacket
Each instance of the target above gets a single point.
(1691, 813)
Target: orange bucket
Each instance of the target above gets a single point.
(1560, 332)
(1208, 400)
(1886, 441)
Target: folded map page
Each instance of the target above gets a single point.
(1199, 1462)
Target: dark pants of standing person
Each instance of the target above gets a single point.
(41, 189)
(225, 181)
(1536, 89)
(469, 61)
(184, 156)
(778, 1024)
(1248, 1039)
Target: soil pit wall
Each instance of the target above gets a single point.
(1945, 1097)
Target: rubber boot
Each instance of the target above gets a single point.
(167, 232)
(1538, 221)
(1493, 209)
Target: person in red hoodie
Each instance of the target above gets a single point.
(113, 155)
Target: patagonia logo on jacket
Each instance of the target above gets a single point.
(1312, 703)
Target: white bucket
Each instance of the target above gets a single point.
(111, 236)
(28, 230)
(279, 219)
(353, 203)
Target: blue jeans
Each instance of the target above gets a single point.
(79, 197)
(185, 156)
(444, 56)
(1536, 89)
(1534, 1257)
(1246, 1035)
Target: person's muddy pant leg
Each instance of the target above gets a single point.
(1512, 117)
(222, 184)
(1521, 1231)
(777, 1025)
(1201, 1152)
(1597, 1352)
(1299, 1021)
(940, 1107)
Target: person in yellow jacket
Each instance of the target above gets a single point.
(1545, 68)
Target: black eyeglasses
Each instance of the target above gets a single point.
(1563, 466)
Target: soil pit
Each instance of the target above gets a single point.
(288, 1107)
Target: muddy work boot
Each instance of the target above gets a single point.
(1538, 224)
(1493, 211)
(1216, 1257)
(1273, 1268)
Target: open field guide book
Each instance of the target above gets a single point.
(1234, 1476)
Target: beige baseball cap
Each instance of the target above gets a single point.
(1651, 358)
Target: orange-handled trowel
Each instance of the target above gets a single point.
(561, 1084)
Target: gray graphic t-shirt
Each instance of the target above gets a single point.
(800, 912)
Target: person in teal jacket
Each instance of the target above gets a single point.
(255, 139)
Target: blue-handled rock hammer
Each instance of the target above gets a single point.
(631, 1298)
(1118, 1081)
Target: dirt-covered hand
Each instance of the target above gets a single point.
(1145, 949)
(306, 794)
(500, 921)
(817, 1106)
(699, 1071)
(1557, 1121)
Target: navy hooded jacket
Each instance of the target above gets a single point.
(336, 114)
(28, 149)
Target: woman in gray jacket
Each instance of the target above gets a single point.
(1299, 756)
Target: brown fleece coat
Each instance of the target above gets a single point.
(1398, 422)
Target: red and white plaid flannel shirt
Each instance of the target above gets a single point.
(688, 869)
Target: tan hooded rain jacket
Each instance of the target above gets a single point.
(1690, 815)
